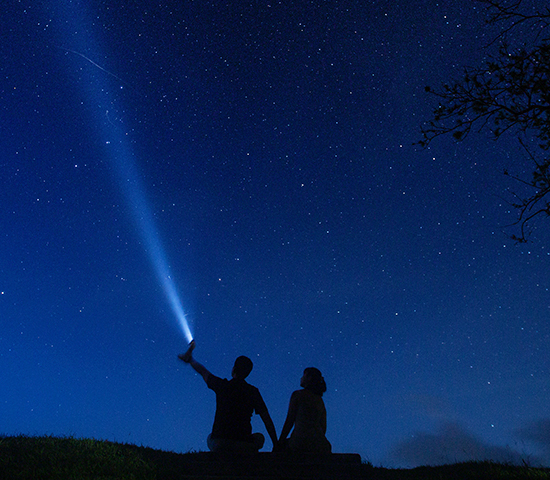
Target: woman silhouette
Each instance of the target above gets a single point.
(308, 416)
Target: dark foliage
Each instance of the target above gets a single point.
(509, 93)
(52, 458)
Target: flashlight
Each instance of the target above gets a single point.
(186, 357)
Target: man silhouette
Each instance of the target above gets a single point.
(236, 402)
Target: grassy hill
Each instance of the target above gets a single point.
(53, 458)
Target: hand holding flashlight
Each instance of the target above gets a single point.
(187, 356)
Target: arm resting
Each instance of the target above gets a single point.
(269, 426)
(290, 417)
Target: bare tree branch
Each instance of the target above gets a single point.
(509, 93)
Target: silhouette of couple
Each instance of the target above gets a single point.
(237, 401)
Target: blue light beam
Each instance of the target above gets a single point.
(79, 32)
(135, 195)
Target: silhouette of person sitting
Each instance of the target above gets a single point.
(308, 415)
(236, 402)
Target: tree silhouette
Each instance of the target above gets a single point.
(509, 93)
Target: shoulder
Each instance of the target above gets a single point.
(297, 395)
(254, 391)
(305, 395)
(215, 382)
(255, 394)
(252, 387)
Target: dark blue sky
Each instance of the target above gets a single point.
(272, 145)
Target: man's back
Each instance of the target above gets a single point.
(236, 402)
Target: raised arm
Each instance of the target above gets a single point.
(187, 357)
(200, 369)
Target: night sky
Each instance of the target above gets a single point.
(265, 150)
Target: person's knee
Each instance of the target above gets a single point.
(214, 444)
(258, 440)
(210, 443)
(236, 446)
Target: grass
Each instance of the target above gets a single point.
(475, 471)
(52, 458)
(68, 458)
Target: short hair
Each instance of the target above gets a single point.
(243, 366)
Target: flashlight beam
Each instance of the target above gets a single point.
(143, 217)
(119, 150)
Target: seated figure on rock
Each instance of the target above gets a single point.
(308, 415)
(236, 402)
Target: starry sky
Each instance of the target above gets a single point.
(263, 153)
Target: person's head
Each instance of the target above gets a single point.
(313, 380)
(242, 368)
